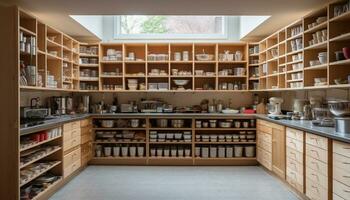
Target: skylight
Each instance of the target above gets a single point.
(168, 27)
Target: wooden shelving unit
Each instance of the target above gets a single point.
(151, 145)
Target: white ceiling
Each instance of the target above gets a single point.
(56, 12)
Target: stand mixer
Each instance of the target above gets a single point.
(274, 107)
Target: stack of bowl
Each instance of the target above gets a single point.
(132, 84)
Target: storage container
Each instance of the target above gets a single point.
(213, 152)
(249, 151)
(108, 151)
(187, 152)
(140, 151)
(198, 151)
(132, 151)
(159, 152)
(125, 151)
(166, 152)
(153, 152)
(180, 152)
(229, 151)
(205, 152)
(221, 151)
(173, 152)
(238, 151)
(116, 151)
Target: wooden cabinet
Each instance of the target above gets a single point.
(341, 170)
(271, 147)
(264, 144)
(317, 169)
(86, 141)
(295, 158)
(279, 151)
(71, 148)
(72, 162)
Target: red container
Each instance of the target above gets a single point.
(346, 52)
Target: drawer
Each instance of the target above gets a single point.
(298, 178)
(315, 191)
(336, 197)
(71, 157)
(85, 123)
(295, 144)
(69, 134)
(295, 134)
(341, 148)
(294, 166)
(294, 155)
(71, 125)
(341, 190)
(72, 168)
(267, 164)
(264, 129)
(267, 146)
(86, 138)
(316, 165)
(318, 141)
(341, 175)
(341, 162)
(317, 177)
(86, 130)
(69, 144)
(264, 155)
(293, 182)
(317, 153)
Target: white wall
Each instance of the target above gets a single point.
(94, 23)
(249, 23)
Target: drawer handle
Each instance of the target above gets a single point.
(315, 176)
(346, 163)
(315, 188)
(315, 163)
(346, 176)
(346, 147)
(347, 191)
(314, 151)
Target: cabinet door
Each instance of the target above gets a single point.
(279, 152)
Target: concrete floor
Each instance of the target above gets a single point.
(174, 183)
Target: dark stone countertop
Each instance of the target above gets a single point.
(303, 125)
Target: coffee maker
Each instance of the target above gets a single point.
(57, 105)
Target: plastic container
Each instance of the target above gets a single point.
(198, 152)
(229, 151)
(173, 152)
(125, 151)
(213, 152)
(116, 151)
(153, 152)
(187, 152)
(205, 152)
(180, 152)
(140, 151)
(238, 151)
(166, 152)
(132, 151)
(108, 151)
(249, 151)
(221, 151)
(159, 152)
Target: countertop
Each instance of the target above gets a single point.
(304, 125)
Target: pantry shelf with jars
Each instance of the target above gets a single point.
(174, 140)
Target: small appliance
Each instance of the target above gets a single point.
(274, 107)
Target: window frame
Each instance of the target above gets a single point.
(120, 36)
